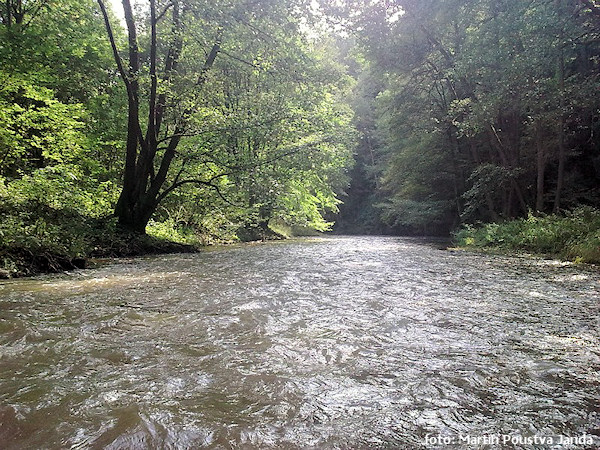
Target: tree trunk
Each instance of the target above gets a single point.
(541, 169)
(8, 14)
(496, 143)
(143, 189)
(136, 217)
(488, 198)
(561, 120)
(509, 202)
(458, 182)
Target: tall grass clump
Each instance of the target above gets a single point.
(574, 235)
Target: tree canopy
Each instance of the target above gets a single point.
(220, 116)
(485, 109)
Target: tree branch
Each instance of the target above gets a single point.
(164, 11)
(224, 129)
(113, 44)
(151, 134)
(208, 183)
(210, 60)
(134, 64)
(34, 10)
(248, 63)
(170, 63)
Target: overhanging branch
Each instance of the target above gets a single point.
(207, 183)
(163, 12)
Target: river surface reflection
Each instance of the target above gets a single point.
(336, 342)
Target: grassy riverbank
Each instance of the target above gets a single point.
(64, 240)
(573, 236)
(36, 238)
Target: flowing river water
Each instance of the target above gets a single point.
(337, 342)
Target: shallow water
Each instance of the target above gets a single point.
(343, 342)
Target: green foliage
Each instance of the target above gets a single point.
(37, 130)
(50, 199)
(574, 236)
(475, 102)
(53, 188)
(488, 182)
(416, 202)
(267, 133)
(422, 215)
(169, 230)
(51, 214)
(61, 46)
(272, 146)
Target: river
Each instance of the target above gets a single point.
(335, 342)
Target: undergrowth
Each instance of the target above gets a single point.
(573, 236)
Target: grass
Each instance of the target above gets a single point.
(289, 231)
(58, 240)
(573, 236)
(36, 238)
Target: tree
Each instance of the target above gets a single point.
(279, 142)
(167, 87)
(20, 13)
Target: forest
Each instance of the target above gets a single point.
(163, 125)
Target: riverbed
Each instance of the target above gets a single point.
(333, 342)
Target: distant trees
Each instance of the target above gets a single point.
(488, 108)
(229, 114)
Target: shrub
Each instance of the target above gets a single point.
(574, 235)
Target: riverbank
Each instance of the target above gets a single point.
(62, 240)
(49, 248)
(573, 236)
